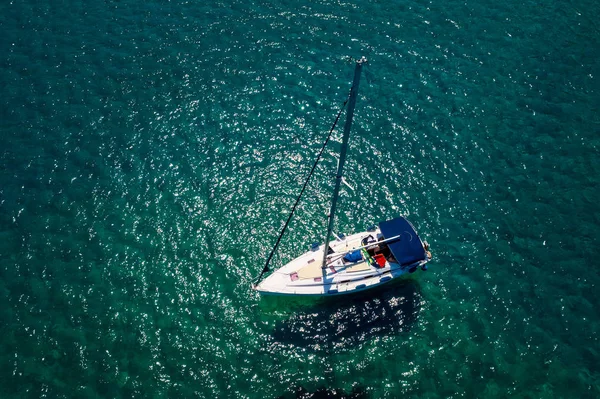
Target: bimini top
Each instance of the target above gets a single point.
(408, 248)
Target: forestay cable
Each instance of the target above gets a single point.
(337, 118)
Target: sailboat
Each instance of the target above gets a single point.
(347, 264)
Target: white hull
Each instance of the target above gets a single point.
(305, 276)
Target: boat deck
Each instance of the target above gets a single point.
(305, 276)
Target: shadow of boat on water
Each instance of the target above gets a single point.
(347, 321)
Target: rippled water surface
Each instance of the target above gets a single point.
(151, 151)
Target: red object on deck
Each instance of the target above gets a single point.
(380, 259)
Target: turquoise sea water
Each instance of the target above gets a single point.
(151, 151)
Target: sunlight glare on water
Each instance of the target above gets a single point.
(152, 152)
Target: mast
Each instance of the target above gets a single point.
(338, 177)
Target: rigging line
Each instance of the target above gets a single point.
(337, 118)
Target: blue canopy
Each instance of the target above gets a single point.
(408, 248)
(353, 256)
